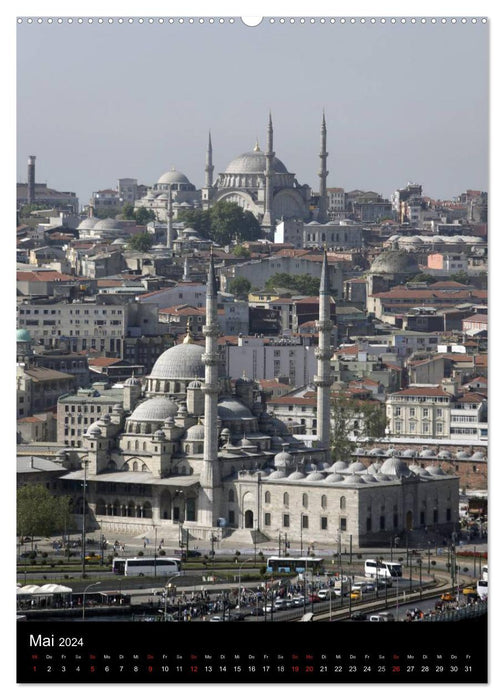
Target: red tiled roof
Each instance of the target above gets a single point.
(422, 391)
(43, 276)
(477, 318)
(104, 361)
(183, 310)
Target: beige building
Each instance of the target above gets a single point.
(419, 412)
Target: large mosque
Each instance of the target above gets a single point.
(256, 180)
(196, 455)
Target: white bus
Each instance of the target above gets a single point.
(291, 565)
(482, 589)
(146, 566)
(382, 569)
(484, 572)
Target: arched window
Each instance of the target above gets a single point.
(305, 500)
(144, 446)
(286, 499)
(267, 497)
(342, 503)
(136, 444)
(323, 501)
(135, 466)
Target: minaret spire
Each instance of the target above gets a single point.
(267, 221)
(323, 378)
(323, 172)
(210, 476)
(209, 168)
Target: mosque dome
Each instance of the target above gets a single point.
(254, 162)
(444, 454)
(231, 409)
(356, 467)
(88, 223)
(315, 476)
(159, 435)
(94, 430)
(156, 409)
(108, 225)
(333, 478)
(395, 262)
(23, 336)
(352, 479)
(339, 466)
(195, 432)
(394, 467)
(173, 177)
(296, 476)
(427, 453)
(282, 460)
(132, 381)
(183, 361)
(435, 470)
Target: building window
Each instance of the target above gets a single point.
(435, 515)
(304, 522)
(439, 427)
(412, 427)
(267, 497)
(382, 522)
(395, 520)
(422, 517)
(342, 503)
(448, 515)
(412, 412)
(267, 519)
(305, 500)
(323, 523)
(286, 499)
(286, 520)
(323, 501)
(368, 525)
(343, 524)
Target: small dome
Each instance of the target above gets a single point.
(356, 467)
(419, 470)
(159, 435)
(94, 430)
(394, 467)
(231, 409)
(117, 408)
(88, 223)
(391, 452)
(133, 381)
(427, 453)
(374, 468)
(339, 466)
(352, 479)
(155, 409)
(333, 478)
(105, 419)
(360, 451)
(444, 454)
(108, 225)
(296, 476)
(409, 453)
(195, 432)
(315, 476)
(478, 455)
(369, 478)
(376, 452)
(277, 475)
(282, 460)
(195, 385)
(435, 470)
(462, 455)
(383, 477)
(246, 443)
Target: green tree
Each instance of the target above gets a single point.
(40, 513)
(141, 242)
(198, 219)
(423, 277)
(461, 277)
(363, 420)
(302, 284)
(240, 287)
(241, 252)
(143, 216)
(128, 212)
(228, 221)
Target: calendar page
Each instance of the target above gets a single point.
(252, 348)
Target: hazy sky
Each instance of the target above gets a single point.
(402, 102)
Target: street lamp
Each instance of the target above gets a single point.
(97, 583)
(302, 515)
(83, 544)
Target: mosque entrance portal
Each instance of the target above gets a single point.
(249, 519)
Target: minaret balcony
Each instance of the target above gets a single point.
(324, 325)
(322, 381)
(211, 358)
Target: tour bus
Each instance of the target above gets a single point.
(482, 589)
(146, 566)
(382, 569)
(484, 572)
(291, 565)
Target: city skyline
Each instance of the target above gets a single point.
(395, 112)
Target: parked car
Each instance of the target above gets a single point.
(469, 590)
(359, 616)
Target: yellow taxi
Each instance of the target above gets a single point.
(356, 595)
(469, 590)
(447, 597)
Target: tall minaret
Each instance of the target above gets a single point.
(210, 477)
(31, 179)
(323, 173)
(186, 277)
(169, 220)
(268, 193)
(323, 378)
(209, 163)
(207, 190)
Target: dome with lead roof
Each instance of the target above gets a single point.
(254, 162)
(231, 409)
(195, 432)
(315, 476)
(183, 361)
(156, 409)
(173, 177)
(395, 468)
(333, 478)
(282, 460)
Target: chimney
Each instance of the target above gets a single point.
(31, 179)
